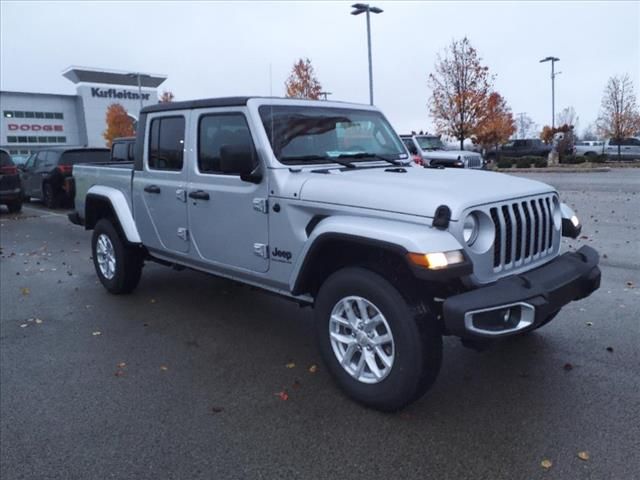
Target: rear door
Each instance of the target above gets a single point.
(227, 216)
(159, 195)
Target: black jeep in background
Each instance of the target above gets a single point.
(10, 191)
(44, 174)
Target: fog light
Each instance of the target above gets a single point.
(500, 320)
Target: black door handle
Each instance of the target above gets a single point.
(152, 189)
(199, 195)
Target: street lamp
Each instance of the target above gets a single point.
(553, 61)
(325, 94)
(139, 77)
(358, 9)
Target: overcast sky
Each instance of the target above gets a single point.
(226, 48)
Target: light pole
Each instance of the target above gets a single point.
(366, 8)
(139, 76)
(325, 94)
(553, 61)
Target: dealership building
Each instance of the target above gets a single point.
(32, 121)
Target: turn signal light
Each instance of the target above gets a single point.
(436, 260)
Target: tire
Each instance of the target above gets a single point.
(15, 206)
(415, 350)
(49, 197)
(123, 274)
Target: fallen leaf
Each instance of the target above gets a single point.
(313, 368)
(121, 365)
(25, 291)
(38, 321)
(583, 456)
(609, 349)
(119, 373)
(95, 334)
(546, 464)
(290, 365)
(589, 324)
(164, 368)
(153, 300)
(283, 395)
(215, 410)
(630, 284)
(24, 325)
(568, 367)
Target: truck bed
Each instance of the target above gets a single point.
(118, 175)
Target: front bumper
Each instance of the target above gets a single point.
(522, 302)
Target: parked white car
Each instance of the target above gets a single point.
(589, 147)
(629, 148)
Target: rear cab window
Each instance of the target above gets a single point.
(166, 143)
(73, 157)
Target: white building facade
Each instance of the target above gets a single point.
(31, 121)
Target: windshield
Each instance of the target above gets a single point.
(430, 143)
(72, 157)
(308, 135)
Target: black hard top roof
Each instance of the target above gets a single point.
(204, 103)
(69, 149)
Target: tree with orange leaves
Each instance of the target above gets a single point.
(496, 125)
(460, 90)
(119, 123)
(302, 83)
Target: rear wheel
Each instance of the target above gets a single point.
(378, 349)
(49, 197)
(14, 206)
(117, 263)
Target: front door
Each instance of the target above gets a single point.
(159, 195)
(227, 216)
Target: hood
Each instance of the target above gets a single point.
(449, 154)
(418, 191)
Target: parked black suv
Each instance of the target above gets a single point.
(43, 176)
(10, 191)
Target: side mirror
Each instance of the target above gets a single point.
(240, 160)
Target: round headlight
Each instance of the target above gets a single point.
(470, 229)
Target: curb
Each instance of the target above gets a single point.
(554, 170)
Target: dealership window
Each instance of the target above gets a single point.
(62, 139)
(22, 139)
(39, 115)
(19, 114)
(33, 139)
(48, 115)
(29, 114)
(42, 139)
(8, 114)
(58, 116)
(166, 143)
(12, 139)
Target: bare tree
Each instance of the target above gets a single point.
(589, 133)
(460, 90)
(619, 116)
(526, 127)
(568, 117)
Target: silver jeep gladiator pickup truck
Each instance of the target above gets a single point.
(316, 201)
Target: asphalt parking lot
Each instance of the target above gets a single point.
(184, 378)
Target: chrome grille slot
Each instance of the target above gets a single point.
(524, 232)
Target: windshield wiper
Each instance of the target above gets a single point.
(312, 158)
(372, 155)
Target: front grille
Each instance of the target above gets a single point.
(524, 232)
(473, 161)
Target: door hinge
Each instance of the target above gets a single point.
(181, 194)
(183, 233)
(261, 250)
(260, 205)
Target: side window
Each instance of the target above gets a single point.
(119, 152)
(218, 131)
(166, 143)
(40, 159)
(52, 159)
(410, 146)
(130, 151)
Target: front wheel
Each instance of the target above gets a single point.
(378, 349)
(117, 263)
